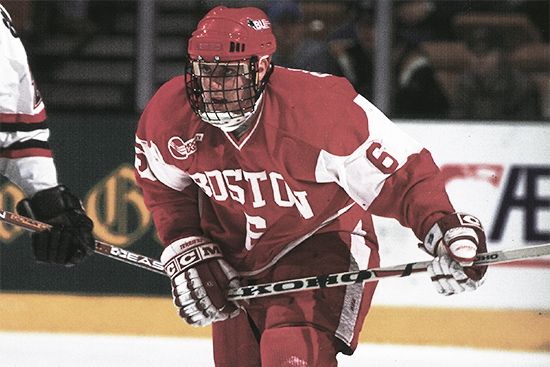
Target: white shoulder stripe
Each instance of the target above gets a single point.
(355, 173)
(384, 131)
(157, 169)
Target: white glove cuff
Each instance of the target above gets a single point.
(178, 246)
(457, 231)
(432, 240)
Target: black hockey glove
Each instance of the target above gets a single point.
(70, 240)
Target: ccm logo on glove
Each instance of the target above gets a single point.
(196, 254)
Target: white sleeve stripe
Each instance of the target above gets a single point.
(157, 168)
(384, 131)
(31, 174)
(9, 138)
(355, 173)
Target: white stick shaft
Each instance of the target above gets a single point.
(372, 275)
(291, 285)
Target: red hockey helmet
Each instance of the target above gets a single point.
(224, 52)
(232, 34)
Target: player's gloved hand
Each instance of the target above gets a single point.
(200, 280)
(454, 241)
(70, 240)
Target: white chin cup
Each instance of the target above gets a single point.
(227, 121)
(224, 120)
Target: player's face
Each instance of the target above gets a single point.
(226, 86)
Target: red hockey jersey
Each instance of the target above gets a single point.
(318, 158)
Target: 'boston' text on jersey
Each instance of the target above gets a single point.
(222, 185)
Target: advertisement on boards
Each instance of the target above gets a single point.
(498, 172)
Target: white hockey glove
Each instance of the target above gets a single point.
(454, 241)
(200, 280)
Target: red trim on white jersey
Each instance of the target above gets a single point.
(21, 117)
(28, 152)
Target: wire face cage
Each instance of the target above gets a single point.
(222, 91)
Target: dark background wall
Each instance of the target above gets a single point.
(94, 156)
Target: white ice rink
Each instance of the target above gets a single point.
(71, 350)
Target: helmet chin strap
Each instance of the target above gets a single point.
(227, 121)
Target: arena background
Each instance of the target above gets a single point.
(498, 170)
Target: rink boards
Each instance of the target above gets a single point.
(478, 322)
(499, 172)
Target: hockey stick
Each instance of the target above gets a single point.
(293, 285)
(101, 248)
(372, 275)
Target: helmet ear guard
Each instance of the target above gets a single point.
(222, 79)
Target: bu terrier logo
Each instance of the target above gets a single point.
(258, 24)
(183, 149)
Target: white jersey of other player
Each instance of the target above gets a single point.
(25, 155)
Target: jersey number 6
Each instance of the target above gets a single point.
(254, 230)
(381, 159)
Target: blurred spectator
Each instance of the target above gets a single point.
(351, 46)
(538, 11)
(417, 93)
(78, 18)
(491, 88)
(416, 21)
(294, 48)
(74, 17)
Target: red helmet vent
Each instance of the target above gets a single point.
(236, 47)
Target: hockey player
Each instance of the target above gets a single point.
(26, 159)
(256, 173)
